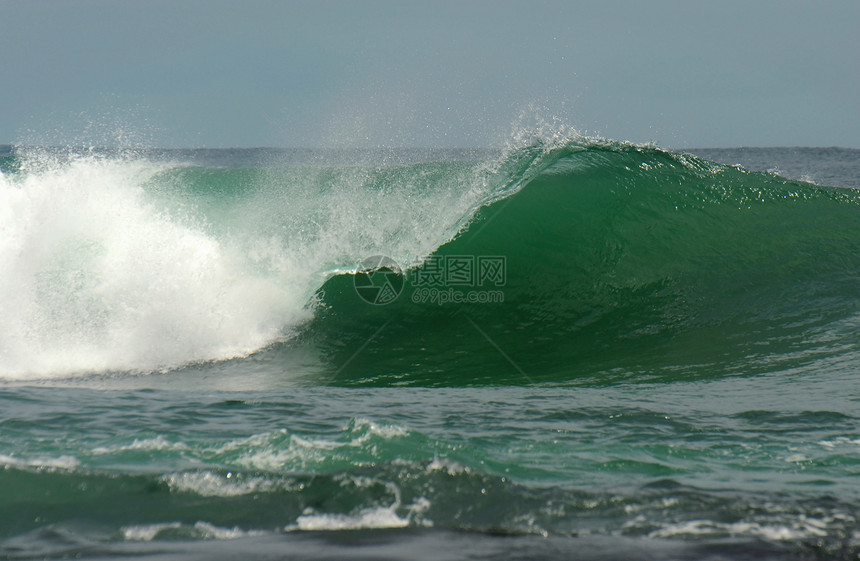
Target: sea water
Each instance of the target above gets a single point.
(569, 348)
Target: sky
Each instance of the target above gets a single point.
(432, 73)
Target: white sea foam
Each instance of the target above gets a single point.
(372, 428)
(157, 443)
(278, 450)
(200, 530)
(839, 442)
(146, 532)
(97, 277)
(366, 518)
(449, 466)
(371, 518)
(63, 462)
(394, 515)
(799, 528)
(210, 484)
(274, 454)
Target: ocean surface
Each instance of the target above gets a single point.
(571, 348)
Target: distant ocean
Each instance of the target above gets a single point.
(572, 348)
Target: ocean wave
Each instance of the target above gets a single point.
(565, 257)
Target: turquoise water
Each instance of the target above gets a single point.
(574, 347)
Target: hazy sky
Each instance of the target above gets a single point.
(431, 73)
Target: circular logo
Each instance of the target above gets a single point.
(378, 280)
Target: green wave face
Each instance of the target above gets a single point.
(618, 262)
